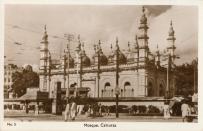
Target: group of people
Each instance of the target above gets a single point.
(185, 110)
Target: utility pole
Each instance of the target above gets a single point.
(69, 37)
(117, 77)
(81, 66)
(98, 66)
(64, 70)
(195, 68)
(78, 56)
(49, 70)
(167, 77)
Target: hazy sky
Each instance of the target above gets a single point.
(24, 24)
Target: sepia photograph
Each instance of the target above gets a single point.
(100, 63)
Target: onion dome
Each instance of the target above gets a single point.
(129, 53)
(103, 59)
(121, 57)
(85, 59)
(143, 19)
(28, 68)
(99, 53)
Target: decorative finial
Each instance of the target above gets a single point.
(116, 40)
(143, 9)
(157, 46)
(117, 46)
(171, 23)
(128, 44)
(94, 47)
(111, 47)
(99, 42)
(45, 28)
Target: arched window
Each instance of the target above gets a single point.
(161, 90)
(127, 90)
(73, 85)
(106, 90)
(150, 89)
(127, 83)
(107, 85)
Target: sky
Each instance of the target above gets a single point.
(24, 24)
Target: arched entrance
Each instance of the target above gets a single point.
(150, 89)
(161, 90)
(107, 91)
(127, 91)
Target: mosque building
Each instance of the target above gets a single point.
(141, 73)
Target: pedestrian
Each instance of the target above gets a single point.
(36, 109)
(26, 108)
(166, 110)
(108, 111)
(67, 111)
(73, 109)
(100, 109)
(185, 110)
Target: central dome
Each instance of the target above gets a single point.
(85, 59)
(121, 57)
(103, 59)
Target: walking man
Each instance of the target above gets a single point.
(185, 110)
(67, 111)
(166, 110)
(73, 109)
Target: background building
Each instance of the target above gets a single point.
(9, 70)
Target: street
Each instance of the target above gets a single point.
(31, 117)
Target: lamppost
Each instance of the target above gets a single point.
(170, 61)
(79, 62)
(97, 49)
(117, 91)
(194, 63)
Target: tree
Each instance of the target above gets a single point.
(185, 79)
(23, 80)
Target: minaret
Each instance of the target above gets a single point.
(44, 51)
(143, 39)
(44, 54)
(171, 42)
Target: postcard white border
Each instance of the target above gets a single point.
(135, 126)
